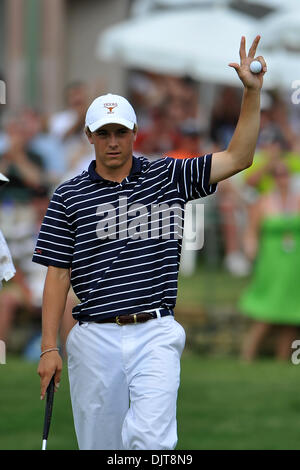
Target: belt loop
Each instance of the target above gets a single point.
(158, 315)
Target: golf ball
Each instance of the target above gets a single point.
(255, 66)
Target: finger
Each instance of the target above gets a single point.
(235, 66)
(44, 385)
(57, 378)
(243, 49)
(263, 62)
(253, 48)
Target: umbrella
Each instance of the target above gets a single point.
(282, 30)
(200, 43)
(140, 7)
(197, 42)
(284, 67)
(275, 4)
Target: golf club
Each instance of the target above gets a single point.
(48, 412)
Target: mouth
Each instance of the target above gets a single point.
(113, 154)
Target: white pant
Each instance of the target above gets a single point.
(111, 366)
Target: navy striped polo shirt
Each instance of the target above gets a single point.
(113, 236)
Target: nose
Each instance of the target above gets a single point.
(113, 143)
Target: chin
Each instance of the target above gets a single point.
(114, 164)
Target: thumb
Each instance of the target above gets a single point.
(235, 66)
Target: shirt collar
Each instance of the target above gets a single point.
(135, 169)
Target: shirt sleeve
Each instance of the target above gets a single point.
(191, 175)
(55, 243)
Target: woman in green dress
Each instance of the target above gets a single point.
(272, 242)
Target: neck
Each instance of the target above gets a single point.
(114, 174)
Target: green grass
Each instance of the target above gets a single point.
(22, 411)
(209, 287)
(227, 404)
(222, 404)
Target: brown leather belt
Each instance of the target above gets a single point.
(141, 317)
(127, 319)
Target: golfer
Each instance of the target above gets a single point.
(108, 232)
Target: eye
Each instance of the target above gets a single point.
(122, 131)
(101, 133)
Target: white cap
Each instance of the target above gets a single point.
(110, 109)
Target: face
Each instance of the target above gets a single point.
(77, 96)
(281, 175)
(113, 145)
(191, 143)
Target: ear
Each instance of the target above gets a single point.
(135, 133)
(89, 135)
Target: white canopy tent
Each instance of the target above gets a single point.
(197, 42)
(282, 30)
(276, 4)
(258, 7)
(202, 37)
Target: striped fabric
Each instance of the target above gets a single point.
(135, 267)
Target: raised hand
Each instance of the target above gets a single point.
(250, 80)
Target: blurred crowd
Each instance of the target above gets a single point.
(38, 152)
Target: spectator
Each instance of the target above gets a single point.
(25, 291)
(232, 208)
(272, 240)
(259, 176)
(68, 125)
(7, 269)
(23, 167)
(48, 146)
(70, 122)
(191, 140)
(160, 137)
(224, 116)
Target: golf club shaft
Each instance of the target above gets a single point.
(48, 411)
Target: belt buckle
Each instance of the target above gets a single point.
(134, 317)
(121, 324)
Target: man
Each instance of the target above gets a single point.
(191, 140)
(124, 352)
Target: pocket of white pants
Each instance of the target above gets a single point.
(181, 329)
(70, 334)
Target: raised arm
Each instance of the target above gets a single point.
(240, 151)
(56, 289)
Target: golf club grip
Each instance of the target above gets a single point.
(48, 408)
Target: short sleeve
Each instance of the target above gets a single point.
(192, 175)
(55, 243)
